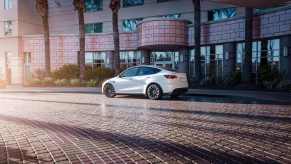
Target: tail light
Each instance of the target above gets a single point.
(171, 76)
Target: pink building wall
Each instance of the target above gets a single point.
(64, 48)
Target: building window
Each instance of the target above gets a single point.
(220, 14)
(205, 61)
(266, 10)
(192, 70)
(160, 1)
(172, 16)
(130, 58)
(129, 3)
(7, 28)
(93, 28)
(7, 4)
(96, 59)
(27, 58)
(168, 60)
(130, 25)
(240, 51)
(93, 5)
(274, 50)
(274, 53)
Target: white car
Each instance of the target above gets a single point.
(151, 81)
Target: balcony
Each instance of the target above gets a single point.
(162, 34)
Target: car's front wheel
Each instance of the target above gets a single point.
(154, 92)
(109, 91)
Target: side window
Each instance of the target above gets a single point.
(130, 72)
(148, 71)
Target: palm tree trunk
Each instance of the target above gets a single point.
(247, 63)
(116, 56)
(45, 23)
(197, 37)
(82, 45)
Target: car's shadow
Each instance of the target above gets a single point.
(211, 99)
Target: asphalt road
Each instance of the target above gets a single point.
(89, 128)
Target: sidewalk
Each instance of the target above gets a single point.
(283, 97)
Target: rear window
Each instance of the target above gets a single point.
(148, 71)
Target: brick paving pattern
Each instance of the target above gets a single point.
(88, 128)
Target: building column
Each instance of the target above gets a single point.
(247, 62)
(229, 59)
(197, 38)
(285, 57)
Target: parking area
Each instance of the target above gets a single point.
(86, 127)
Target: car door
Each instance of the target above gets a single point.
(126, 82)
(144, 75)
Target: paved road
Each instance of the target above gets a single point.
(88, 128)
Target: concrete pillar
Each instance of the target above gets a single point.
(285, 56)
(247, 62)
(229, 59)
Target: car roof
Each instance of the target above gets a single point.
(152, 66)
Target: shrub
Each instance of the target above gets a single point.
(2, 84)
(98, 74)
(284, 84)
(47, 81)
(34, 82)
(75, 82)
(233, 80)
(91, 83)
(39, 74)
(269, 77)
(62, 82)
(69, 71)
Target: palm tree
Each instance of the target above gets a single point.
(80, 7)
(197, 37)
(247, 66)
(42, 8)
(115, 6)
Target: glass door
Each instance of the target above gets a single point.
(167, 60)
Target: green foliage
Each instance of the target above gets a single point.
(68, 75)
(75, 82)
(69, 71)
(34, 82)
(62, 82)
(269, 77)
(47, 81)
(91, 83)
(233, 80)
(98, 74)
(39, 74)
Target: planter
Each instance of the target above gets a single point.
(2, 84)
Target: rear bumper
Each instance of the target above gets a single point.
(180, 91)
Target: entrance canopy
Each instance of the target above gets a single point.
(255, 3)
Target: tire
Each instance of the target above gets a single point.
(109, 91)
(154, 92)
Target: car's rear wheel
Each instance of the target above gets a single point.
(154, 92)
(109, 91)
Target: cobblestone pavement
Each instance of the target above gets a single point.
(88, 128)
